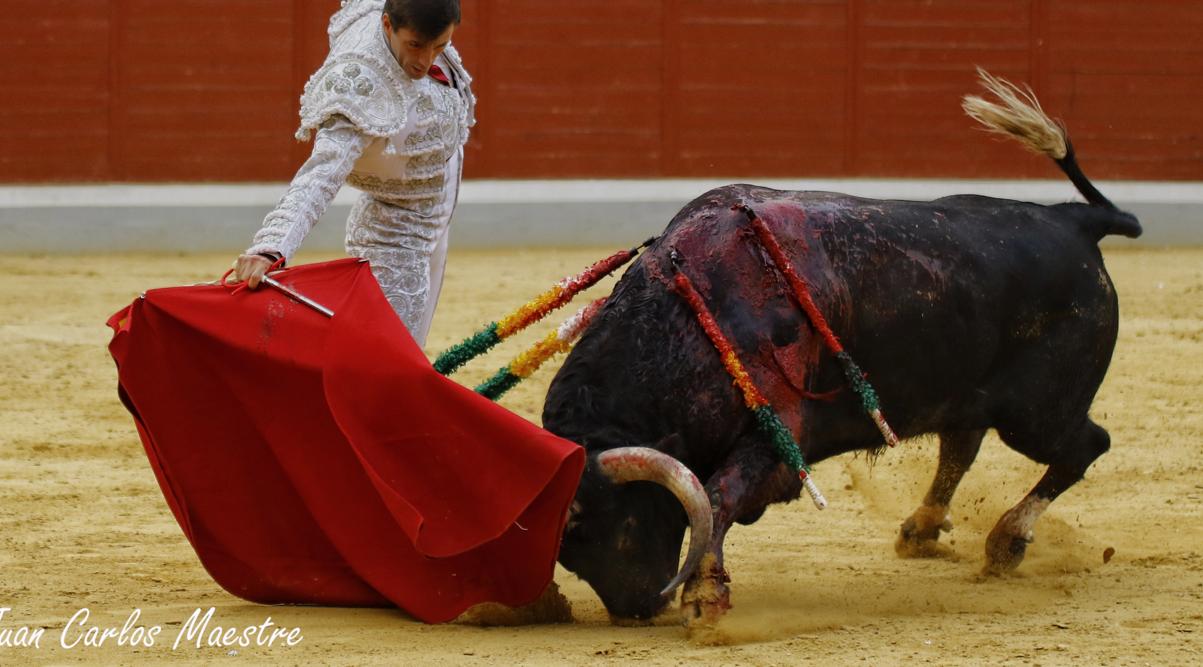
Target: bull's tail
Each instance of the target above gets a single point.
(1018, 115)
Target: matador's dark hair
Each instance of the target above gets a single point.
(428, 18)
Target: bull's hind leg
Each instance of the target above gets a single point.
(1008, 541)
(920, 534)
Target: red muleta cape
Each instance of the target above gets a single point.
(321, 460)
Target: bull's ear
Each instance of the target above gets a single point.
(673, 445)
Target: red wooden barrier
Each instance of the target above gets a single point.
(206, 90)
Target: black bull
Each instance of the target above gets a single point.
(966, 313)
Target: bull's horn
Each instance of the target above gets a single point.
(643, 464)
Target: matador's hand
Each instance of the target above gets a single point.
(251, 268)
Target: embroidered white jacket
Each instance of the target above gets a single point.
(400, 142)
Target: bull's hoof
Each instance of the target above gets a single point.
(1004, 551)
(551, 607)
(706, 597)
(919, 536)
(705, 612)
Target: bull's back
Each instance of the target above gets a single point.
(935, 301)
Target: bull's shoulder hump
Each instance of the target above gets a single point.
(737, 192)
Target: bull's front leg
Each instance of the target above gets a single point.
(749, 480)
(920, 533)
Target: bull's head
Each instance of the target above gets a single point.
(625, 530)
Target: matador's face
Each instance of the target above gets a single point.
(414, 53)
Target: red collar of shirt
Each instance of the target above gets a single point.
(437, 74)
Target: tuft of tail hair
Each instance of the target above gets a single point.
(1018, 115)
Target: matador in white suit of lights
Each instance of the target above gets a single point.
(391, 125)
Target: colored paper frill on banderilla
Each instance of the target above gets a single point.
(319, 460)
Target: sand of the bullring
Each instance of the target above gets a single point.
(1115, 575)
